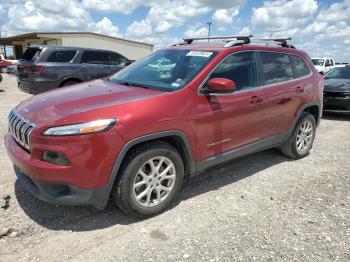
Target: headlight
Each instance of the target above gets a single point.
(81, 129)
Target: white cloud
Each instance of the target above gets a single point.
(121, 6)
(36, 15)
(282, 14)
(105, 26)
(245, 31)
(223, 18)
(336, 12)
(196, 31)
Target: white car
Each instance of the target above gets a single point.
(323, 65)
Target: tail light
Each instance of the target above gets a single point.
(35, 70)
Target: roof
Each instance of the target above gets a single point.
(34, 35)
(60, 47)
(219, 47)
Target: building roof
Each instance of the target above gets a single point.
(36, 35)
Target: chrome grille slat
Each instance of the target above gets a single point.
(21, 129)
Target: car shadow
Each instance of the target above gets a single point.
(57, 217)
(334, 116)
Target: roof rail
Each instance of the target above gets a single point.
(282, 41)
(244, 38)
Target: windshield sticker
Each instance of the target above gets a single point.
(199, 53)
(175, 84)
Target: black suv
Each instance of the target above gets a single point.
(43, 68)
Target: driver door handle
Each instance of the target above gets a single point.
(256, 99)
(300, 89)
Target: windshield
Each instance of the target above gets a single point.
(166, 70)
(318, 62)
(339, 73)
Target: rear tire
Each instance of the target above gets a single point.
(301, 141)
(149, 181)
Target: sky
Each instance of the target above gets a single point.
(321, 28)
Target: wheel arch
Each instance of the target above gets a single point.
(67, 79)
(176, 138)
(313, 108)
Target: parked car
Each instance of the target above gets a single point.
(337, 91)
(4, 63)
(323, 65)
(136, 135)
(341, 64)
(43, 68)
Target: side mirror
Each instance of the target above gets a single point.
(220, 86)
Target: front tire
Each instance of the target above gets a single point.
(150, 179)
(302, 138)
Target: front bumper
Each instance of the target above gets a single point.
(85, 181)
(63, 194)
(340, 105)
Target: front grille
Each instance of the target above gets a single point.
(20, 129)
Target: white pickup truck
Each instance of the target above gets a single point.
(323, 65)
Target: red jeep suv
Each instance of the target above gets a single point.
(135, 136)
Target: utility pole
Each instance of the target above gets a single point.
(209, 23)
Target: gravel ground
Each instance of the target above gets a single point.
(262, 207)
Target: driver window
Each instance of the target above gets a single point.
(327, 63)
(239, 68)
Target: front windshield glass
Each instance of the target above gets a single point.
(339, 73)
(166, 70)
(318, 62)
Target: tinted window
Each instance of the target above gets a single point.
(300, 67)
(318, 62)
(328, 63)
(31, 54)
(116, 59)
(339, 73)
(276, 67)
(95, 57)
(239, 68)
(61, 56)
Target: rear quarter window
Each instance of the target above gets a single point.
(300, 67)
(276, 67)
(61, 56)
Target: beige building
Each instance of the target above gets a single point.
(129, 48)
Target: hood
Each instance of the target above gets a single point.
(95, 96)
(337, 85)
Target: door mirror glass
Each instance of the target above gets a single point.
(220, 86)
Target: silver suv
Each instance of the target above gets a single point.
(43, 68)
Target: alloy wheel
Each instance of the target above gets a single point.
(154, 181)
(304, 136)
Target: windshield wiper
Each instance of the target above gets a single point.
(131, 84)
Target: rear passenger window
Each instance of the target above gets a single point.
(276, 67)
(300, 67)
(95, 57)
(239, 68)
(61, 56)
